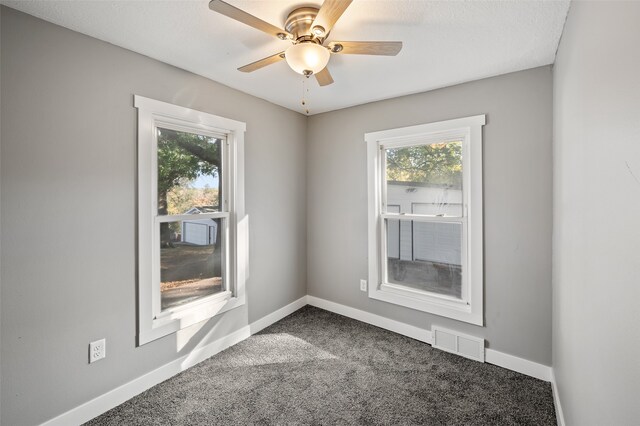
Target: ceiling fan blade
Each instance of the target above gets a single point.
(262, 62)
(387, 48)
(247, 18)
(329, 13)
(324, 77)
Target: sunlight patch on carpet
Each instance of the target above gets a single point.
(264, 349)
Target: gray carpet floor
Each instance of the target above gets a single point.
(316, 367)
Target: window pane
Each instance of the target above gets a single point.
(189, 173)
(191, 262)
(425, 179)
(425, 256)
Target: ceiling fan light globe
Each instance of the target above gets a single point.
(307, 57)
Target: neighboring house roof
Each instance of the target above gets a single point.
(202, 209)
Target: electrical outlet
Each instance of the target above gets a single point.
(363, 285)
(97, 350)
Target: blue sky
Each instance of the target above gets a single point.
(204, 181)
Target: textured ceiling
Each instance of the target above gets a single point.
(445, 42)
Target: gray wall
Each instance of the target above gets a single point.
(0, 211)
(517, 200)
(596, 239)
(68, 213)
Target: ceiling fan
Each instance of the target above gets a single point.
(308, 28)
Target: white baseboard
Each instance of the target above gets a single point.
(556, 400)
(388, 324)
(517, 364)
(500, 359)
(276, 316)
(117, 396)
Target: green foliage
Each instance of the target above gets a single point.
(182, 197)
(439, 163)
(185, 156)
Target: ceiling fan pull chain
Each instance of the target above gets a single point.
(305, 91)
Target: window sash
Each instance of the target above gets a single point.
(226, 273)
(420, 141)
(224, 204)
(422, 294)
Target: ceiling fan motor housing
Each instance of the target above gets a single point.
(299, 24)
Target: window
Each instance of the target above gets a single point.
(191, 224)
(425, 217)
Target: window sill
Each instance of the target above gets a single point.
(188, 315)
(427, 302)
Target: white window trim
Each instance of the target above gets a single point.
(151, 114)
(469, 130)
